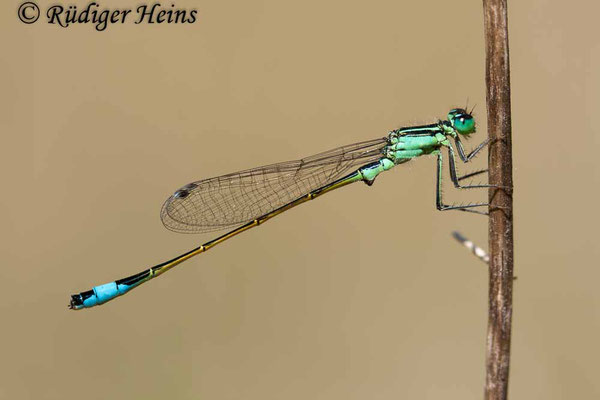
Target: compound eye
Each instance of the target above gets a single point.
(464, 124)
(456, 112)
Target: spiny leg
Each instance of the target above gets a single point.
(454, 175)
(473, 153)
(467, 158)
(456, 179)
(472, 174)
(438, 194)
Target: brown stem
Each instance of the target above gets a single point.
(500, 199)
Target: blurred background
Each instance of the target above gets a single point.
(361, 294)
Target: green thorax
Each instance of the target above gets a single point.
(407, 143)
(411, 142)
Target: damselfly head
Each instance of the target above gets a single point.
(461, 121)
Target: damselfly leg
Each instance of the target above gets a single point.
(456, 179)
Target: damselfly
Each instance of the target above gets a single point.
(249, 198)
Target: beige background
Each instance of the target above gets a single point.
(361, 294)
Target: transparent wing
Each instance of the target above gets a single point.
(233, 199)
